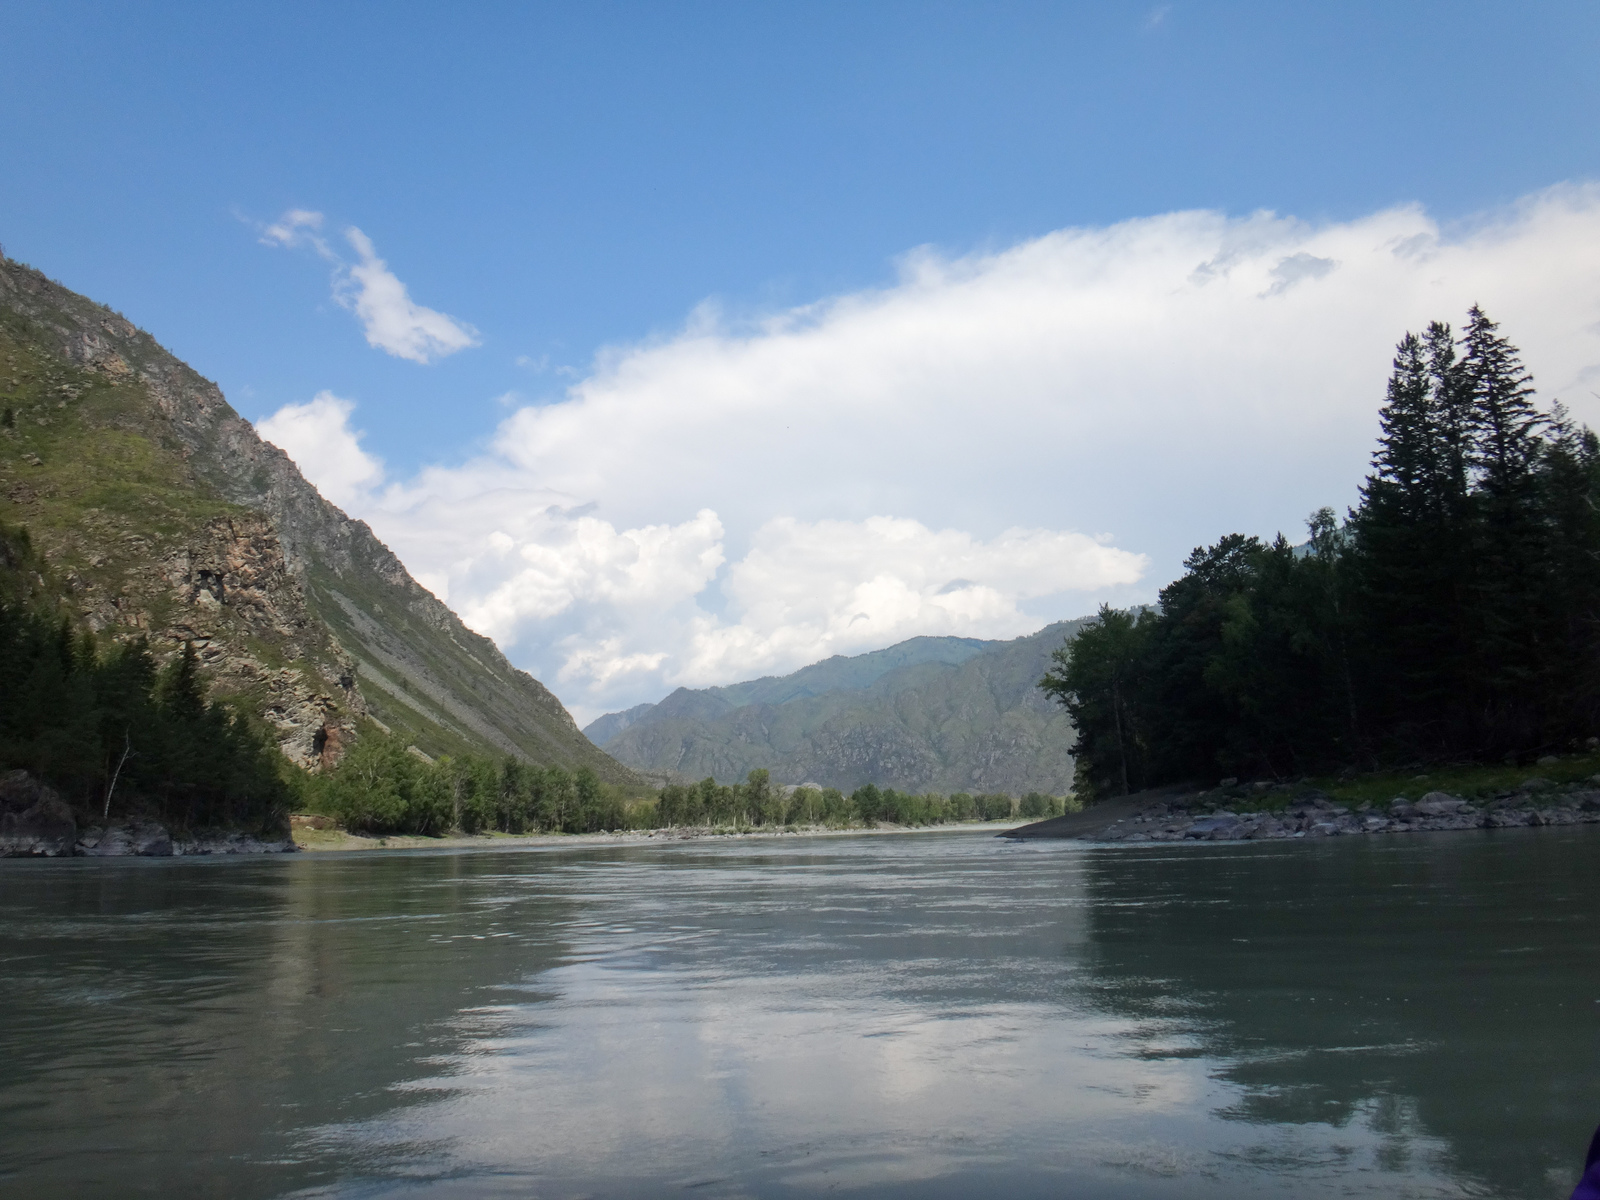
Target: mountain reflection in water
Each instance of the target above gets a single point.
(939, 1014)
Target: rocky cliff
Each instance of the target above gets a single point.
(167, 515)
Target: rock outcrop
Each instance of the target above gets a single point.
(34, 821)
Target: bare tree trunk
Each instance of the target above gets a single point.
(127, 749)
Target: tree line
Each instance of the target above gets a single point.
(384, 787)
(1454, 615)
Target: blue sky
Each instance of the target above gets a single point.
(563, 179)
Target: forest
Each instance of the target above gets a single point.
(1453, 615)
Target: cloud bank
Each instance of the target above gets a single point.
(987, 443)
(391, 320)
(317, 435)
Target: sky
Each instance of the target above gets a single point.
(680, 344)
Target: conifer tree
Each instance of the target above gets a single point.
(1509, 556)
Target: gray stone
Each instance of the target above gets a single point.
(1508, 818)
(1535, 783)
(34, 821)
(249, 843)
(144, 839)
(1224, 827)
(1440, 804)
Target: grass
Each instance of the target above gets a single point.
(1467, 781)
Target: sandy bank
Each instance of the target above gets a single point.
(309, 838)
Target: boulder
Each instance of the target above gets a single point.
(1224, 827)
(1535, 783)
(34, 821)
(19, 791)
(144, 839)
(1440, 804)
(1508, 818)
(151, 840)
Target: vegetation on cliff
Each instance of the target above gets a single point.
(166, 516)
(115, 734)
(1455, 615)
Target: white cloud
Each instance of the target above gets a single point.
(921, 453)
(317, 435)
(297, 227)
(806, 590)
(391, 320)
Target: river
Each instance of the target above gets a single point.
(937, 1014)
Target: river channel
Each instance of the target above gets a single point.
(937, 1014)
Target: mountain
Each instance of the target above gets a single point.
(167, 516)
(929, 714)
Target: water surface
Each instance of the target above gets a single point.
(939, 1014)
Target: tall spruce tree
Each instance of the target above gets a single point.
(1569, 604)
(1510, 556)
(1413, 548)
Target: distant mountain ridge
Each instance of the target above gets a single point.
(167, 515)
(927, 714)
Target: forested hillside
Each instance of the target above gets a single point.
(945, 715)
(1453, 616)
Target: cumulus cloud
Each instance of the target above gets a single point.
(988, 442)
(806, 590)
(317, 435)
(391, 320)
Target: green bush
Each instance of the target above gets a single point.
(994, 806)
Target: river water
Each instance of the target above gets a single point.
(936, 1014)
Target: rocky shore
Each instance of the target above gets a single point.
(1263, 812)
(36, 823)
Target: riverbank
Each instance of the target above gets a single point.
(1563, 792)
(311, 834)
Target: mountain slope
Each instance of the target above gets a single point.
(168, 515)
(930, 714)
